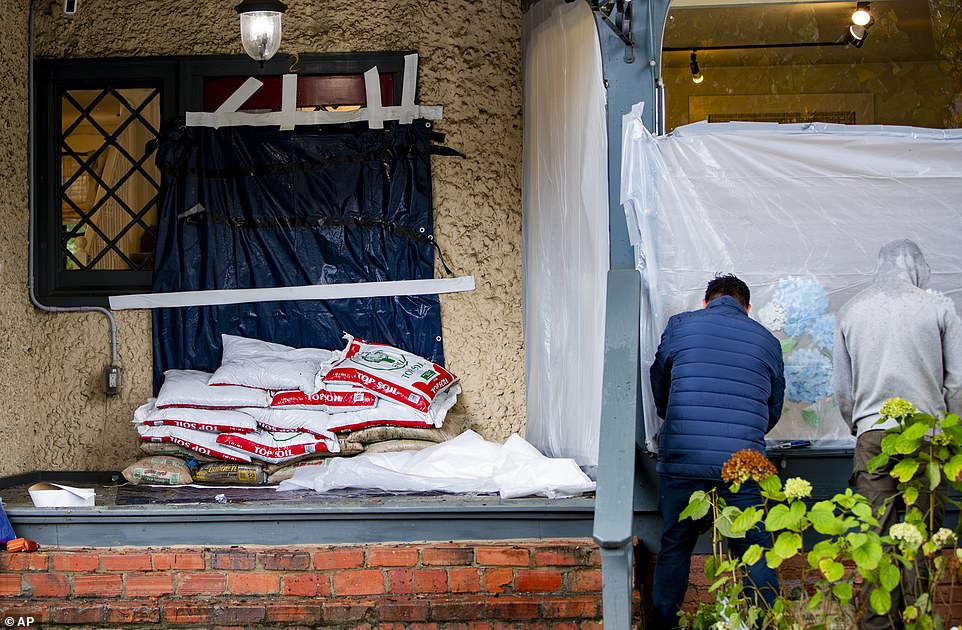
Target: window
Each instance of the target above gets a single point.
(98, 122)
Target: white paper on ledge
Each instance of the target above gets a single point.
(57, 495)
(468, 463)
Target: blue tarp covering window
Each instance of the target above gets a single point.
(254, 207)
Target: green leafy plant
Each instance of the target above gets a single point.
(923, 453)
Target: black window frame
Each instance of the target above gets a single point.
(181, 81)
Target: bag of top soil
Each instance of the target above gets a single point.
(210, 420)
(164, 471)
(325, 400)
(390, 373)
(265, 365)
(391, 414)
(275, 447)
(200, 441)
(189, 388)
(283, 419)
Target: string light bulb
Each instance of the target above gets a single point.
(696, 75)
(861, 16)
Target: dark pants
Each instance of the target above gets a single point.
(880, 489)
(678, 540)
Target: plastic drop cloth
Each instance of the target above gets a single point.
(797, 211)
(466, 464)
(565, 228)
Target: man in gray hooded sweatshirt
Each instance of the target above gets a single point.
(895, 339)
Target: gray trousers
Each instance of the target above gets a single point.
(882, 490)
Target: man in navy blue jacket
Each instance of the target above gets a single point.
(718, 382)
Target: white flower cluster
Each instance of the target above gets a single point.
(771, 316)
(907, 533)
(944, 538)
(797, 488)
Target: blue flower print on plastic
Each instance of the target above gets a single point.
(808, 376)
(805, 302)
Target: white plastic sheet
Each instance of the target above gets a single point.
(797, 211)
(465, 464)
(565, 228)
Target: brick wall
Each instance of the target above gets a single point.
(445, 586)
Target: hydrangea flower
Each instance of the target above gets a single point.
(797, 488)
(906, 533)
(944, 537)
(771, 316)
(747, 464)
(897, 408)
(808, 376)
(803, 300)
(822, 331)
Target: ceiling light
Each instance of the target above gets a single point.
(861, 16)
(260, 25)
(696, 75)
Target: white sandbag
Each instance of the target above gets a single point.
(210, 420)
(200, 441)
(275, 447)
(349, 399)
(308, 421)
(468, 463)
(265, 365)
(390, 413)
(391, 373)
(189, 388)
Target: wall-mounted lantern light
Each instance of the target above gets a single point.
(260, 26)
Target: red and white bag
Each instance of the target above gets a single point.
(265, 365)
(391, 414)
(189, 388)
(200, 441)
(391, 373)
(210, 420)
(325, 400)
(284, 419)
(277, 447)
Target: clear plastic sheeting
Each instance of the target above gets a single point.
(797, 211)
(465, 464)
(565, 228)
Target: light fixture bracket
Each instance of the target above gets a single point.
(249, 6)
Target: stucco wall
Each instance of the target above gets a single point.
(469, 63)
(17, 319)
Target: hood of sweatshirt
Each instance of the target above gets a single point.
(903, 261)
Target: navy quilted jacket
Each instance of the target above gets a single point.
(718, 381)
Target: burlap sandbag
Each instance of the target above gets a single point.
(392, 446)
(453, 426)
(158, 470)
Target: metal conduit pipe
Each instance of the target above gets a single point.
(31, 179)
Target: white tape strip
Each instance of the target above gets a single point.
(408, 87)
(288, 101)
(274, 119)
(240, 96)
(372, 92)
(214, 297)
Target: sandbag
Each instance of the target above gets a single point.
(285, 471)
(325, 400)
(265, 365)
(277, 446)
(209, 420)
(452, 427)
(165, 471)
(174, 450)
(230, 474)
(189, 388)
(393, 446)
(200, 441)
